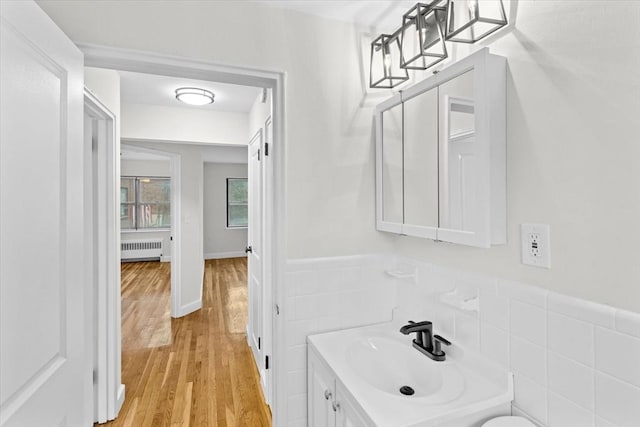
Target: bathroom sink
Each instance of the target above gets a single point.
(378, 367)
(397, 369)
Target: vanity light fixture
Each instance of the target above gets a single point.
(421, 37)
(471, 20)
(194, 96)
(385, 71)
(420, 42)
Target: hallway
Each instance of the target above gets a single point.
(194, 371)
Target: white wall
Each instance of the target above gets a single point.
(105, 85)
(220, 241)
(152, 168)
(330, 181)
(573, 98)
(141, 121)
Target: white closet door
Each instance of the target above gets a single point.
(44, 373)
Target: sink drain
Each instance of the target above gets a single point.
(406, 390)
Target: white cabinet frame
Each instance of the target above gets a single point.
(490, 133)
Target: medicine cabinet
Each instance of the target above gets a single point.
(440, 155)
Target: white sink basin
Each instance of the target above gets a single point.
(387, 365)
(371, 363)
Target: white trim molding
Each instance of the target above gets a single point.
(275, 215)
(106, 248)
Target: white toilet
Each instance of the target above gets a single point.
(508, 421)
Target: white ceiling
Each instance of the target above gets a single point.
(139, 88)
(382, 14)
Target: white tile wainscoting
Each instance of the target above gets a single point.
(327, 294)
(576, 363)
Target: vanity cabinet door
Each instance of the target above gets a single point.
(346, 413)
(321, 394)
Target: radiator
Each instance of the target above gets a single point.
(141, 249)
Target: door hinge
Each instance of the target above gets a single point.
(258, 155)
(259, 343)
(266, 148)
(95, 376)
(277, 307)
(266, 362)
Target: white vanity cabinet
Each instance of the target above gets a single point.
(329, 404)
(441, 155)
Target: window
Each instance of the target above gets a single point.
(145, 203)
(237, 202)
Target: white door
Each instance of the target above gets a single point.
(254, 253)
(267, 260)
(45, 376)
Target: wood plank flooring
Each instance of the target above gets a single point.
(194, 371)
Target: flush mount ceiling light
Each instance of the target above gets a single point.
(194, 96)
(420, 42)
(421, 37)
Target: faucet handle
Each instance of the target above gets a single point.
(437, 343)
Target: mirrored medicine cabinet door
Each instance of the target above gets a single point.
(440, 155)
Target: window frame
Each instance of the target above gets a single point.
(137, 203)
(234, 227)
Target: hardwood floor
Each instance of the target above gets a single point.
(194, 371)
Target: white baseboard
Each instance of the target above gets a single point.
(119, 400)
(165, 258)
(220, 255)
(189, 308)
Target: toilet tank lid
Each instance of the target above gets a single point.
(509, 422)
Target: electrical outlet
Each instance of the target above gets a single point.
(536, 245)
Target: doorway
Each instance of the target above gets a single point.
(273, 176)
(101, 172)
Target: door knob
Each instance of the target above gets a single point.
(248, 249)
(327, 395)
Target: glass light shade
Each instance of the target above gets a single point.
(471, 20)
(385, 71)
(421, 37)
(194, 96)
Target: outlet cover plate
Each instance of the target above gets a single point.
(536, 245)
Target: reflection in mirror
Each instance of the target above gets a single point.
(421, 159)
(458, 153)
(392, 209)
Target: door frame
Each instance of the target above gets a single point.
(275, 214)
(103, 280)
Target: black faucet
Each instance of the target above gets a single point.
(425, 341)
